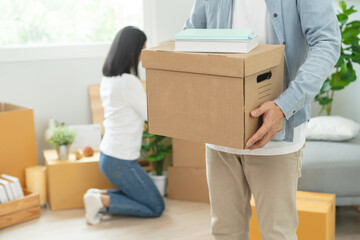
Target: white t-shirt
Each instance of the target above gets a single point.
(124, 101)
(253, 14)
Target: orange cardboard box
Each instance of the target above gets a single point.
(208, 97)
(188, 154)
(68, 180)
(316, 213)
(188, 184)
(17, 140)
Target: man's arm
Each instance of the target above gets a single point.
(197, 17)
(321, 29)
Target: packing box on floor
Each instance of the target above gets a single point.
(20, 210)
(188, 154)
(208, 97)
(68, 180)
(188, 184)
(17, 140)
(316, 213)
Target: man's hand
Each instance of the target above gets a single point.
(272, 116)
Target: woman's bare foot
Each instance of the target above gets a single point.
(105, 199)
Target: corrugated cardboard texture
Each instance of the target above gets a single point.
(68, 180)
(188, 184)
(17, 141)
(196, 107)
(316, 213)
(188, 154)
(206, 97)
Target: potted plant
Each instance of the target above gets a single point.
(154, 149)
(62, 137)
(344, 72)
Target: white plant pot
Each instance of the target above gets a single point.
(160, 182)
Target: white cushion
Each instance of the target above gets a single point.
(331, 128)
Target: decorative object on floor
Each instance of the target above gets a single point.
(331, 128)
(36, 182)
(20, 210)
(88, 151)
(154, 149)
(350, 53)
(62, 138)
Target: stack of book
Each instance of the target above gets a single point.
(10, 188)
(216, 40)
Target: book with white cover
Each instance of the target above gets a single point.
(3, 195)
(8, 190)
(20, 193)
(217, 46)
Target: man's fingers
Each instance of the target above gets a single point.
(262, 142)
(258, 111)
(257, 136)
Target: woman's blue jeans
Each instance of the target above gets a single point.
(137, 194)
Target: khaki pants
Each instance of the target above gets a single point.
(273, 182)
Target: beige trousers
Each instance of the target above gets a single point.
(273, 182)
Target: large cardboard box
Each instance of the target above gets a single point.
(188, 154)
(17, 140)
(316, 213)
(68, 180)
(208, 97)
(188, 184)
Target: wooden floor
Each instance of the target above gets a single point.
(180, 221)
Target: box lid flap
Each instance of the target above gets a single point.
(231, 64)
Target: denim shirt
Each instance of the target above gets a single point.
(310, 32)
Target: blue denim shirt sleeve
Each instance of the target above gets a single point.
(197, 17)
(321, 30)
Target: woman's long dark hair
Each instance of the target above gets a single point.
(124, 52)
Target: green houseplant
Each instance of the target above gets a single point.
(62, 137)
(344, 72)
(154, 149)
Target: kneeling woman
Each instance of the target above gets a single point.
(124, 102)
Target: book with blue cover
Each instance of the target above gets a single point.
(216, 40)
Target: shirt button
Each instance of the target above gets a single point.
(275, 14)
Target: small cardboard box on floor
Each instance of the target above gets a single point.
(68, 180)
(316, 213)
(208, 97)
(17, 140)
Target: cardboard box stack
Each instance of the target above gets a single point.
(187, 178)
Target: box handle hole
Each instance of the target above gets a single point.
(263, 77)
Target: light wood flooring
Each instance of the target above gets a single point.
(180, 221)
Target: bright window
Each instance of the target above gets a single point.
(28, 22)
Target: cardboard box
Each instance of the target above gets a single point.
(17, 140)
(188, 154)
(20, 210)
(208, 97)
(68, 180)
(316, 213)
(188, 184)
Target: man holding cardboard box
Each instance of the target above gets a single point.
(270, 169)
